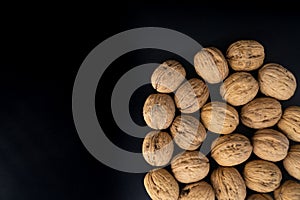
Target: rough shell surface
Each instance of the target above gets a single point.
(290, 123)
(292, 162)
(289, 190)
(260, 197)
(197, 191)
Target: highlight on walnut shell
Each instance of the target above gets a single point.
(292, 161)
(197, 191)
(290, 123)
(289, 190)
(260, 197)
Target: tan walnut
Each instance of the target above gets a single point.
(290, 123)
(260, 197)
(197, 191)
(245, 55)
(289, 190)
(276, 81)
(292, 162)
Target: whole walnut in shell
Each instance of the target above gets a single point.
(211, 65)
(239, 88)
(228, 184)
(231, 149)
(219, 117)
(259, 197)
(289, 190)
(245, 55)
(261, 113)
(292, 161)
(168, 76)
(269, 144)
(197, 191)
(290, 123)
(262, 176)
(159, 111)
(160, 184)
(188, 132)
(190, 166)
(191, 95)
(276, 81)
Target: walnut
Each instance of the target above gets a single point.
(159, 111)
(211, 65)
(197, 191)
(259, 197)
(232, 149)
(269, 144)
(188, 132)
(228, 184)
(191, 95)
(262, 176)
(190, 166)
(219, 117)
(261, 113)
(245, 55)
(239, 88)
(160, 184)
(276, 81)
(292, 161)
(168, 76)
(289, 190)
(290, 123)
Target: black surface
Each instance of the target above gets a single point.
(41, 155)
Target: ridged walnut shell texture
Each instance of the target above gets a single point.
(230, 150)
(262, 176)
(261, 113)
(160, 184)
(158, 148)
(269, 144)
(190, 166)
(292, 161)
(211, 65)
(260, 197)
(245, 55)
(228, 184)
(159, 111)
(191, 95)
(276, 81)
(289, 190)
(168, 76)
(290, 123)
(188, 132)
(219, 117)
(197, 191)
(239, 88)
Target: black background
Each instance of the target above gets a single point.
(41, 155)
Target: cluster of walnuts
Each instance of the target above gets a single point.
(240, 88)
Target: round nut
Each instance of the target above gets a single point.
(269, 144)
(289, 190)
(276, 81)
(211, 65)
(191, 95)
(230, 150)
(262, 176)
(219, 117)
(245, 55)
(197, 191)
(261, 113)
(259, 197)
(290, 123)
(239, 88)
(159, 111)
(190, 166)
(292, 161)
(188, 132)
(158, 148)
(168, 76)
(228, 183)
(160, 184)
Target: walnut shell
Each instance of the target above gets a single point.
(219, 117)
(190, 166)
(168, 76)
(159, 111)
(269, 144)
(289, 190)
(228, 184)
(262, 176)
(191, 95)
(230, 150)
(158, 148)
(290, 123)
(261, 113)
(197, 191)
(292, 161)
(276, 81)
(239, 88)
(211, 65)
(245, 55)
(259, 197)
(188, 132)
(160, 184)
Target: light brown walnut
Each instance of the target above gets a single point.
(290, 123)
(197, 191)
(292, 161)
(260, 197)
(289, 190)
